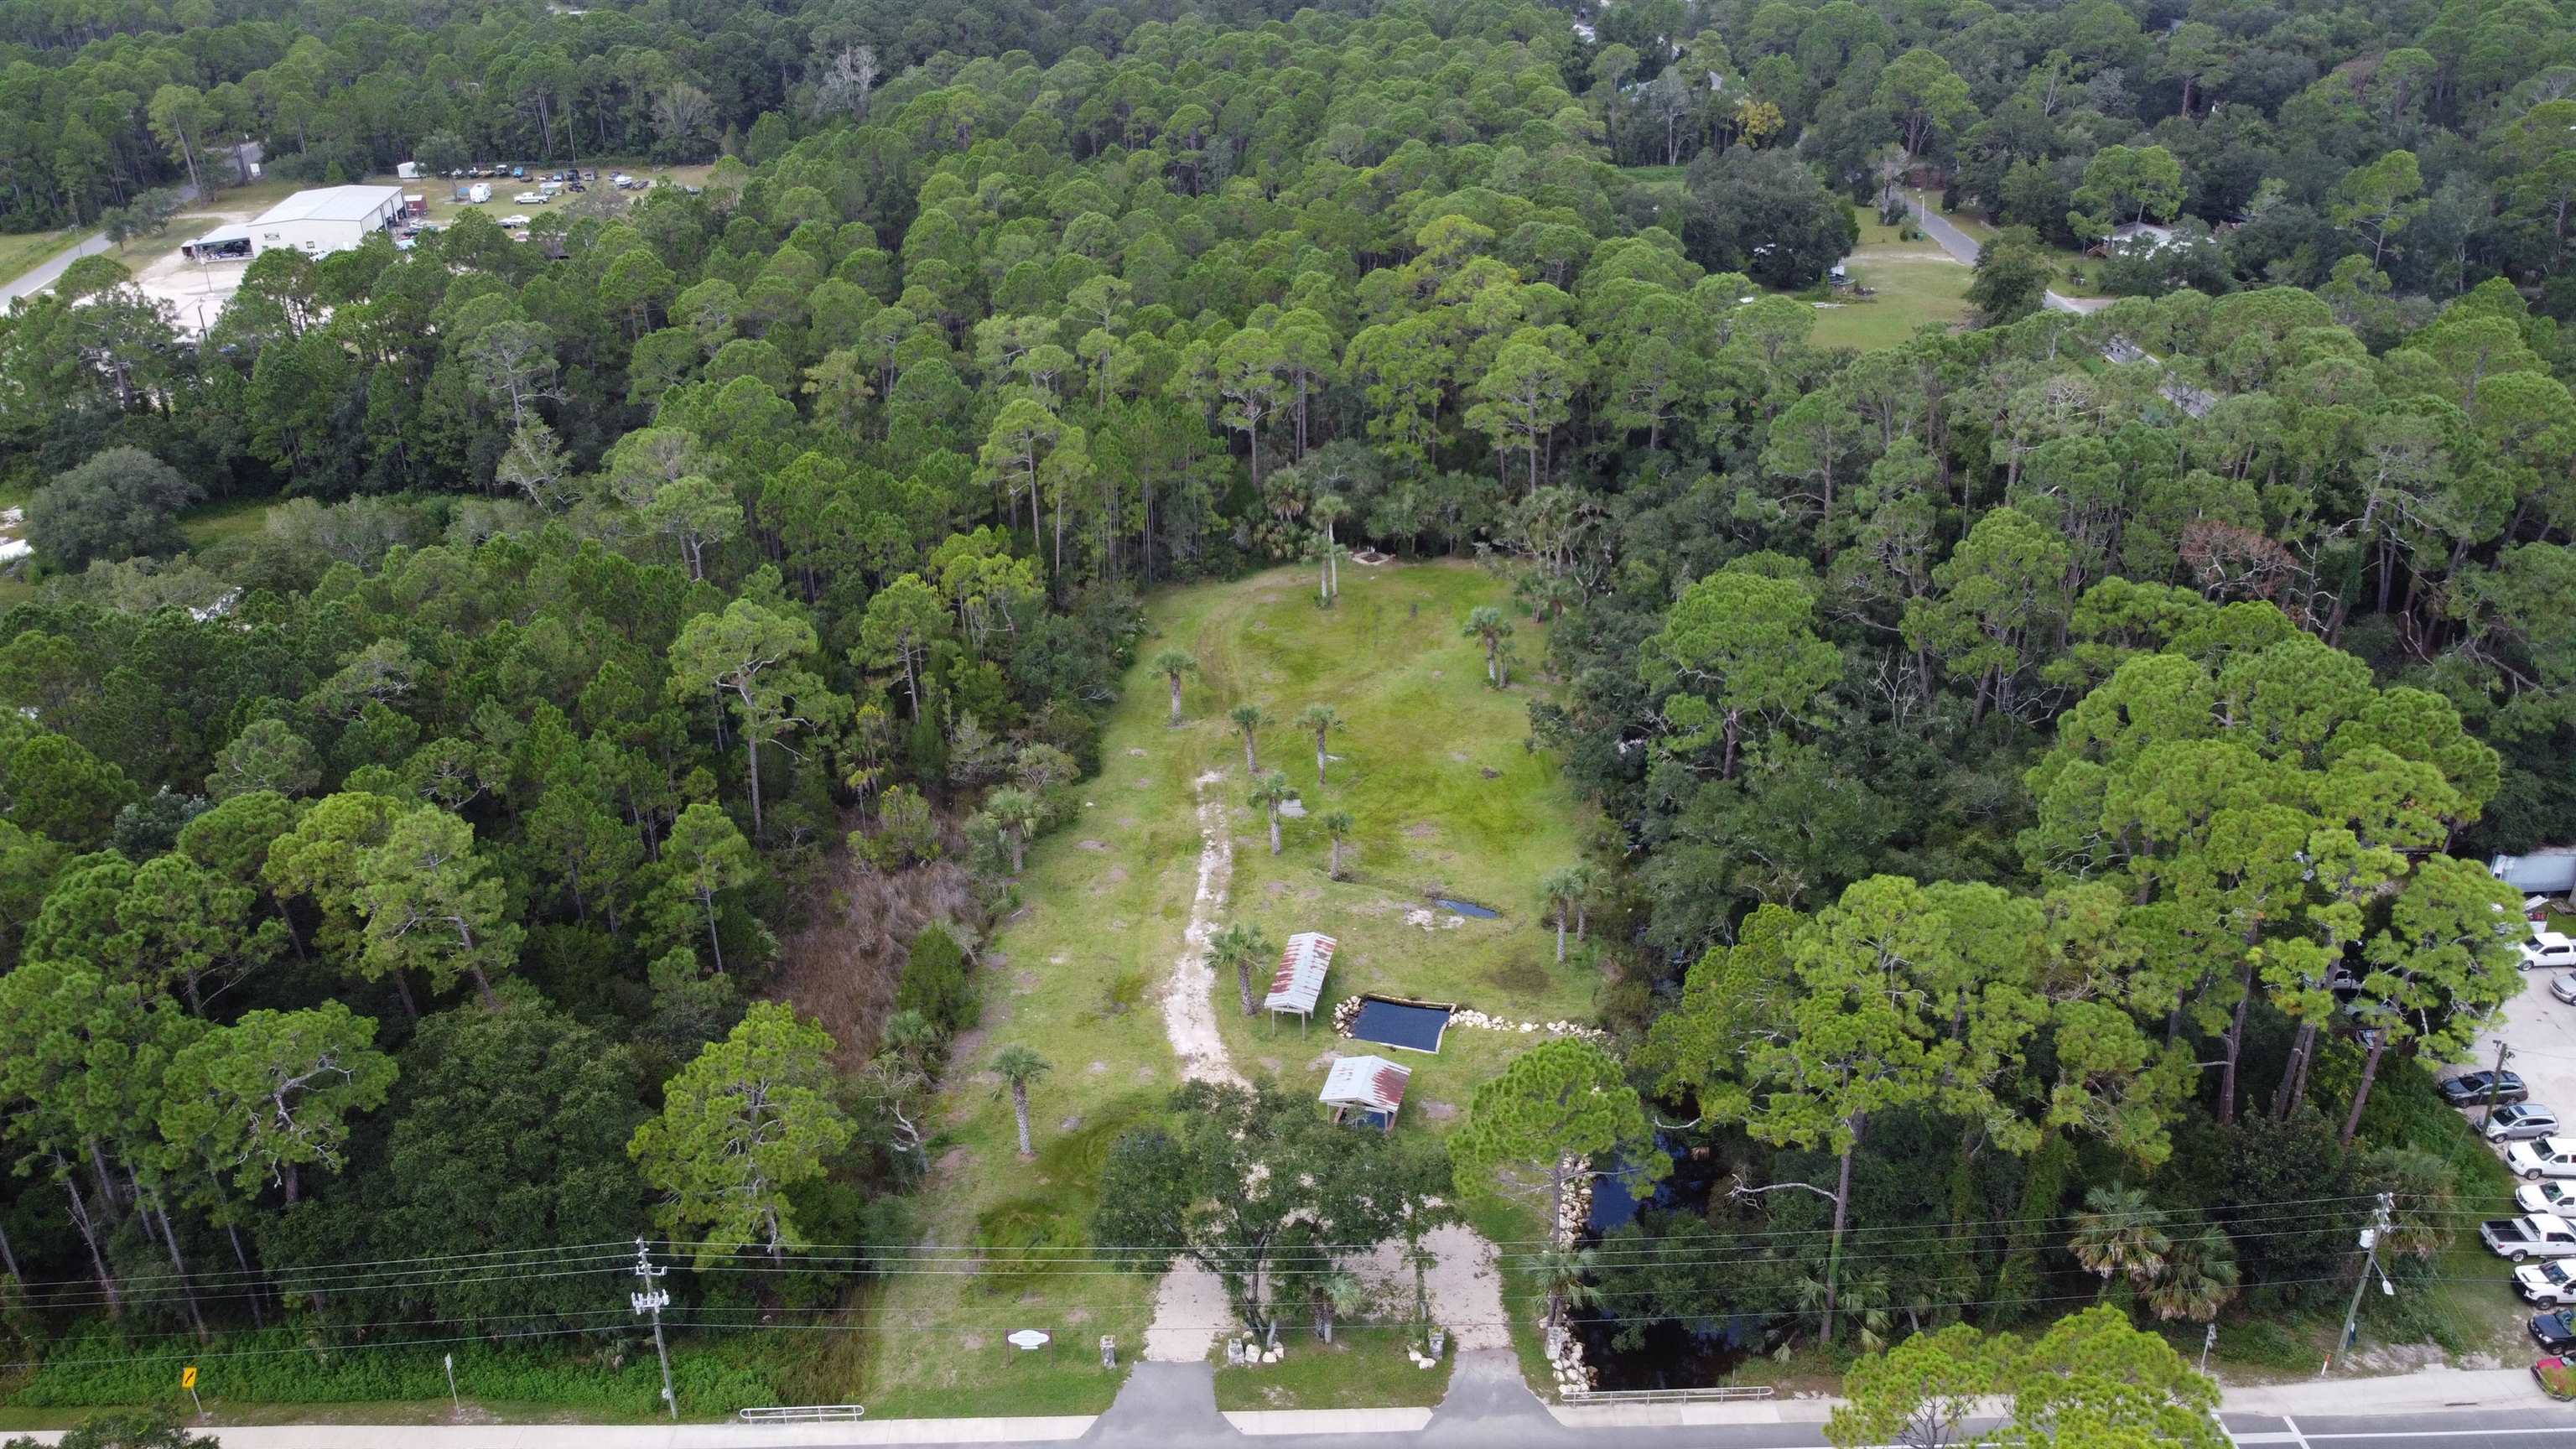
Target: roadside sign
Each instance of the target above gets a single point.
(188, 1377)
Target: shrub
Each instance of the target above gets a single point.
(935, 981)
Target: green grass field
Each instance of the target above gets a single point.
(22, 250)
(1076, 970)
(214, 522)
(1912, 282)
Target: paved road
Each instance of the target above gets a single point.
(1964, 247)
(44, 274)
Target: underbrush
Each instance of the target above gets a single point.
(608, 1377)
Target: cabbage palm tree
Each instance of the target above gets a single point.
(1251, 719)
(2121, 1234)
(1567, 1274)
(1322, 720)
(1270, 792)
(1337, 831)
(1018, 1066)
(2198, 1280)
(1337, 1295)
(1242, 946)
(1486, 623)
(1172, 664)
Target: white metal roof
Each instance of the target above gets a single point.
(334, 203)
(231, 231)
(1299, 980)
(1371, 1082)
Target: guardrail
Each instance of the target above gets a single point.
(805, 1414)
(1727, 1394)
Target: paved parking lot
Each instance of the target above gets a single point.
(2541, 1029)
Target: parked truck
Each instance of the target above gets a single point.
(2534, 1235)
(479, 193)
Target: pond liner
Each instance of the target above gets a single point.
(1466, 908)
(1414, 1026)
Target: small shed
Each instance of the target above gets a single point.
(1299, 982)
(1370, 1086)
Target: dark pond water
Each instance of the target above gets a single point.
(1467, 908)
(1396, 1024)
(1679, 1354)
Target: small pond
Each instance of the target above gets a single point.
(1400, 1024)
(1671, 1354)
(1466, 908)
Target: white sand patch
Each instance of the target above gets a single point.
(1465, 1286)
(1190, 1311)
(1189, 1017)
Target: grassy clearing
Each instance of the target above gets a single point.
(1661, 178)
(2067, 262)
(20, 251)
(213, 523)
(1075, 970)
(1914, 285)
(1362, 1368)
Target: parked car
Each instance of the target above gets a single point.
(2538, 1235)
(2550, 1285)
(2549, 1157)
(2557, 1377)
(2476, 1089)
(530, 198)
(2548, 950)
(2521, 1122)
(515, 220)
(2554, 1332)
(2545, 1197)
(2563, 986)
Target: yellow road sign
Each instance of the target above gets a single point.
(188, 1377)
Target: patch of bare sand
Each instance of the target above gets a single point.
(1465, 1285)
(1189, 1312)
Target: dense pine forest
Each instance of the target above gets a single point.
(2045, 766)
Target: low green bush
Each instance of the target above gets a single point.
(608, 1376)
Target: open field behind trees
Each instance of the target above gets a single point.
(1076, 970)
(1915, 281)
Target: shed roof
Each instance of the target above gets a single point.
(1371, 1082)
(334, 203)
(231, 231)
(1299, 980)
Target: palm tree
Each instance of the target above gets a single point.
(1487, 623)
(1549, 594)
(1241, 946)
(1337, 1295)
(1172, 664)
(1323, 719)
(2198, 1279)
(1251, 719)
(1016, 814)
(1337, 830)
(1558, 890)
(1567, 1273)
(2120, 1233)
(1270, 792)
(1862, 1301)
(1327, 509)
(1018, 1066)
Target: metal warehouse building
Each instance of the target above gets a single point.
(326, 219)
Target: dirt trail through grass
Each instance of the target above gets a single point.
(1189, 1015)
(1189, 1305)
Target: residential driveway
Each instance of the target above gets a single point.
(2541, 1029)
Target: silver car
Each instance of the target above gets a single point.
(2563, 986)
(2521, 1122)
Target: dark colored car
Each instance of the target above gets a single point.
(2471, 1089)
(2554, 1332)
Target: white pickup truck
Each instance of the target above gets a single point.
(2550, 1285)
(2535, 1235)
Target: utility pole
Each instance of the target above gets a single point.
(2379, 1223)
(2495, 1084)
(653, 1299)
